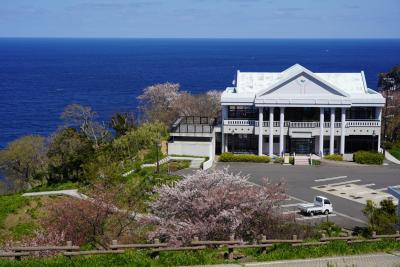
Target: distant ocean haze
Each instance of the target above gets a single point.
(39, 77)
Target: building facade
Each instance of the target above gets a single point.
(298, 111)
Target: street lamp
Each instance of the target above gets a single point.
(158, 145)
(373, 139)
(233, 141)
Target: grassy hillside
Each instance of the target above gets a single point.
(143, 258)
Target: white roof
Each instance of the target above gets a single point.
(258, 87)
(253, 82)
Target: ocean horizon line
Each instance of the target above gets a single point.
(199, 38)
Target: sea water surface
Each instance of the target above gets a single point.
(39, 77)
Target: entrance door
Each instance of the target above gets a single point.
(302, 145)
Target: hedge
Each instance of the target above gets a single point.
(336, 157)
(230, 157)
(279, 160)
(315, 162)
(368, 157)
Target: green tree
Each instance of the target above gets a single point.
(23, 161)
(68, 150)
(381, 219)
(144, 137)
(122, 123)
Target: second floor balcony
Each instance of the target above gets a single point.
(353, 127)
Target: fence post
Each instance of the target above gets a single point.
(69, 245)
(294, 237)
(114, 243)
(263, 238)
(157, 253)
(373, 234)
(230, 249)
(17, 244)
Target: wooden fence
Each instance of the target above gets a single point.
(156, 247)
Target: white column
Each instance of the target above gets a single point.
(332, 133)
(379, 117)
(321, 132)
(343, 132)
(271, 131)
(281, 122)
(260, 130)
(224, 116)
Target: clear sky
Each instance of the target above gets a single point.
(201, 18)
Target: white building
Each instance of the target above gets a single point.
(294, 111)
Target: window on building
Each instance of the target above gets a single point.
(242, 112)
(360, 113)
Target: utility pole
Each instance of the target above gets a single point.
(386, 89)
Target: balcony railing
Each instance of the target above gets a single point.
(303, 124)
(241, 122)
(193, 124)
(363, 124)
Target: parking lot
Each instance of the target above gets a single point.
(348, 187)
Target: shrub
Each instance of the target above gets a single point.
(368, 157)
(330, 228)
(230, 157)
(279, 160)
(214, 205)
(335, 157)
(315, 162)
(291, 160)
(381, 219)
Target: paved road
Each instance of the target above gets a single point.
(300, 179)
(369, 260)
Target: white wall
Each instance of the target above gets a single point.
(190, 148)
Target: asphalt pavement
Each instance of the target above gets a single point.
(301, 180)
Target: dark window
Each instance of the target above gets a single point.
(360, 113)
(242, 112)
(301, 114)
(242, 143)
(327, 202)
(355, 143)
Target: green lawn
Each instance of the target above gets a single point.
(10, 204)
(210, 256)
(395, 151)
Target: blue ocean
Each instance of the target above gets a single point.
(39, 77)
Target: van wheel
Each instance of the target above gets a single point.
(311, 213)
(326, 212)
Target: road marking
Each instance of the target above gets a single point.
(330, 178)
(343, 183)
(367, 185)
(385, 188)
(351, 218)
(338, 213)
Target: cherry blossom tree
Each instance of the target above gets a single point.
(96, 220)
(213, 205)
